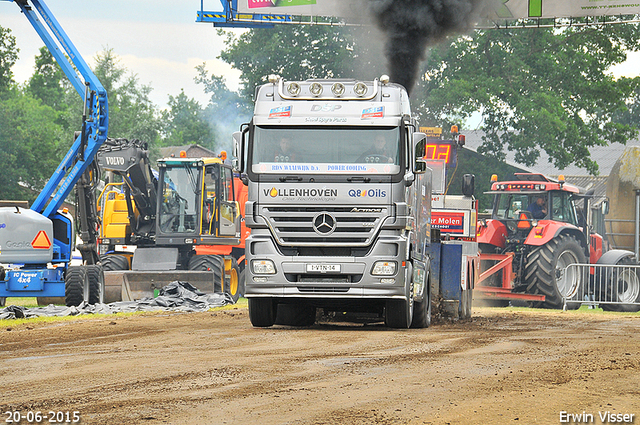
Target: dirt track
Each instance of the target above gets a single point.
(214, 368)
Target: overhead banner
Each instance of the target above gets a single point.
(505, 9)
(523, 9)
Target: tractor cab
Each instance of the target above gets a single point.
(531, 201)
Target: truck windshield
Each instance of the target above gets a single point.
(337, 150)
(178, 212)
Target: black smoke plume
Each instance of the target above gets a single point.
(413, 25)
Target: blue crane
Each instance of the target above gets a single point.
(36, 245)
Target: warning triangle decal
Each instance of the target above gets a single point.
(41, 241)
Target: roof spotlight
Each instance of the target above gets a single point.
(293, 89)
(337, 89)
(360, 89)
(316, 89)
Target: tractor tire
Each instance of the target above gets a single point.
(76, 286)
(262, 312)
(624, 287)
(95, 274)
(3, 301)
(114, 262)
(215, 263)
(232, 282)
(544, 271)
(301, 315)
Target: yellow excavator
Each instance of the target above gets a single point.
(155, 225)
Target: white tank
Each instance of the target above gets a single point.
(21, 240)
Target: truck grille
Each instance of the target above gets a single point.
(332, 226)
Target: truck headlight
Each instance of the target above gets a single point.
(263, 267)
(384, 268)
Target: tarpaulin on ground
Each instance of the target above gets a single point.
(176, 296)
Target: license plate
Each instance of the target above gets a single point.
(323, 268)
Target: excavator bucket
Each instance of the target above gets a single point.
(130, 285)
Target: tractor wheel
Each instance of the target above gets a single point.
(214, 263)
(76, 286)
(262, 312)
(623, 287)
(95, 274)
(545, 271)
(295, 315)
(114, 262)
(232, 284)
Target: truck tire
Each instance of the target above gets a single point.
(624, 287)
(232, 283)
(95, 273)
(114, 262)
(295, 315)
(76, 286)
(422, 309)
(544, 271)
(399, 313)
(262, 312)
(215, 263)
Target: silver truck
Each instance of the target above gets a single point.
(339, 203)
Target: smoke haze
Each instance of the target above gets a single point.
(411, 26)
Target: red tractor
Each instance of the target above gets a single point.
(534, 233)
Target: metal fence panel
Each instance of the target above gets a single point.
(612, 287)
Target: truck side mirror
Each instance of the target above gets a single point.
(468, 184)
(604, 207)
(238, 137)
(419, 151)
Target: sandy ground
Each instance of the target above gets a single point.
(501, 367)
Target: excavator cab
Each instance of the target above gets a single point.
(197, 201)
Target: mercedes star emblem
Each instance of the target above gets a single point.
(324, 223)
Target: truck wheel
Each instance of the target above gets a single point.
(262, 312)
(76, 286)
(295, 315)
(215, 263)
(95, 273)
(422, 309)
(545, 274)
(232, 284)
(399, 313)
(623, 287)
(114, 262)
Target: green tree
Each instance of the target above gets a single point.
(132, 115)
(48, 82)
(298, 52)
(8, 57)
(185, 123)
(29, 146)
(537, 89)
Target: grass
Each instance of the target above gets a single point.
(31, 302)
